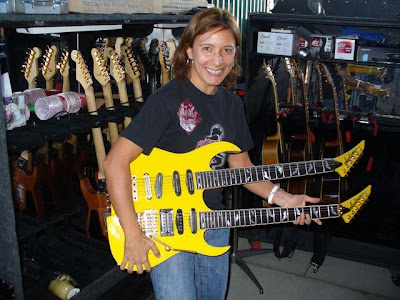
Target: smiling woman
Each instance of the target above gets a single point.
(193, 110)
(203, 26)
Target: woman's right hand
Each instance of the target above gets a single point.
(136, 252)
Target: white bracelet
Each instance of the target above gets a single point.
(358, 82)
(272, 194)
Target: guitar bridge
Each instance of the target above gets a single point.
(147, 221)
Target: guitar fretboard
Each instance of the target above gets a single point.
(263, 216)
(228, 177)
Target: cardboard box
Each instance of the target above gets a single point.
(181, 6)
(374, 53)
(115, 6)
(277, 43)
(266, 42)
(345, 48)
(321, 46)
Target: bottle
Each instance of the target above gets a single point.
(33, 94)
(63, 286)
(59, 104)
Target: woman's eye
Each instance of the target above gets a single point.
(228, 50)
(207, 49)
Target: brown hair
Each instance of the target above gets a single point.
(202, 22)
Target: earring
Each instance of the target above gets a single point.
(189, 62)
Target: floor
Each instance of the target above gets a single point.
(285, 279)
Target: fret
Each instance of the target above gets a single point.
(214, 179)
(242, 175)
(302, 168)
(286, 170)
(237, 218)
(224, 177)
(247, 176)
(207, 182)
(291, 214)
(272, 172)
(204, 174)
(319, 166)
(253, 217)
(284, 215)
(310, 167)
(279, 171)
(294, 168)
(232, 176)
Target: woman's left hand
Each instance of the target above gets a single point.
(285, 199)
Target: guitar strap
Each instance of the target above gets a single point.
(321, 237)
(289, 243)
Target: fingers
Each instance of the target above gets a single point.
(304, 219)
(312, 199)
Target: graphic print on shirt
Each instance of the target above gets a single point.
(216, 135)
(189, 117)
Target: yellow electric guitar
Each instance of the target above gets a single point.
(132, 70)
(102, 75)
(168, 198)
(49, 66)
(63, 66)
(31, 66)
(117, 71)
(96, 198)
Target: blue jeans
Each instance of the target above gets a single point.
(194, 276)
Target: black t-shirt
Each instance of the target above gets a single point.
(180, 118)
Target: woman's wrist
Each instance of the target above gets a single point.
(272, 194)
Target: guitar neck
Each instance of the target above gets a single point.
(264, 216)
(229, 177)
(137, 90)
(123, 94)
(66, 87)
(49, 84)
(109, 104)
(96, 132)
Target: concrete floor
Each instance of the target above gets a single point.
(284, 279)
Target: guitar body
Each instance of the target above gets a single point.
(22, 182)
(271, 151)
(298, 152)
(167, 163)
(97, 202)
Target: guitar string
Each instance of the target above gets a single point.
(230, 177)
(268, 214)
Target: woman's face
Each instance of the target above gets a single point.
(213, 55)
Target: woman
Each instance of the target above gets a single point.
(194, 109)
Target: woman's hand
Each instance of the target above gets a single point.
(285, 199)
(136, 252)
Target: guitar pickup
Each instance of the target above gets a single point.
(166, 222)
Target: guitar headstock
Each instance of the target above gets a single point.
(31, 66)
(164, 56)
(131, 66)
(82, 71)
(49, 64)
(63, 65)
(116, 69)
(268, 71)
(100, 70)
(349, 158)
(355, 203)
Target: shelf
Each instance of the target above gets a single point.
(326, 20)
(23, 20)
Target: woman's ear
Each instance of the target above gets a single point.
(189, 53)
